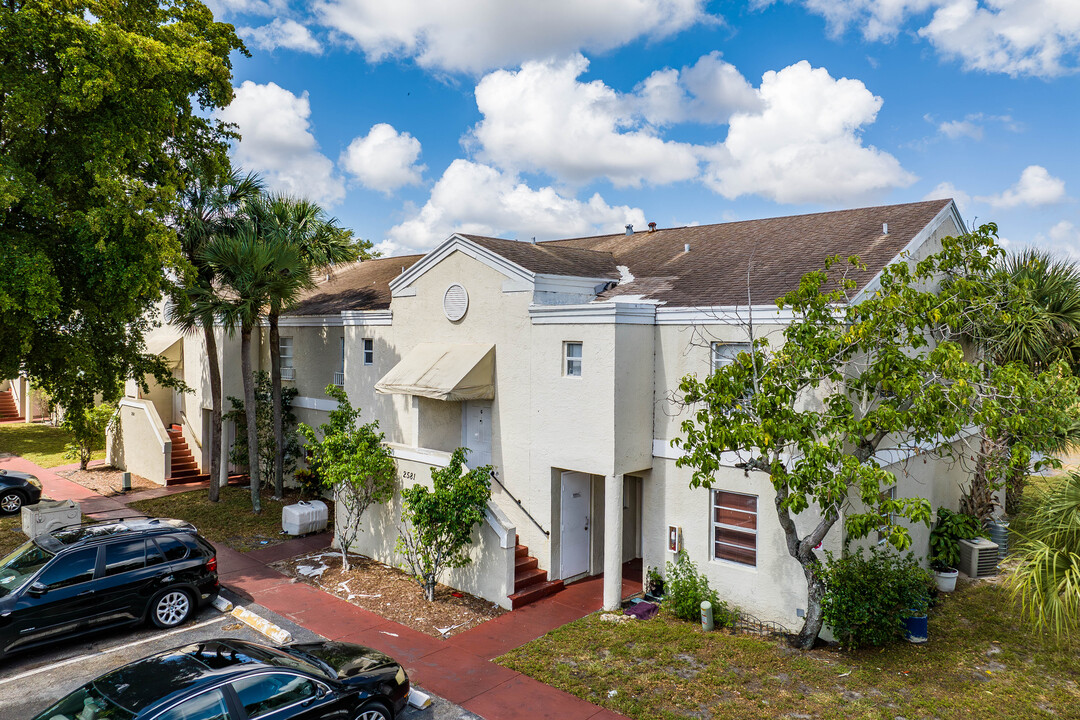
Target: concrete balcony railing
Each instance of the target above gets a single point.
(288, 373)
(339, 379)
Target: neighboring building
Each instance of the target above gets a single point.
(557, 362)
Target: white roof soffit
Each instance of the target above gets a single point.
(444, 371)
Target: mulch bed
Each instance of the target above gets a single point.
(106, 480)
(391, 593)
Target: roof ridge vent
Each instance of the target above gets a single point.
(884, 228)
(652, 227)
(629, 229)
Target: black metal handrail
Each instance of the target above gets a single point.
(495, 477)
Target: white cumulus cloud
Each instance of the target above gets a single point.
(542, 118)
(1064, 239)
(384, 159)
(475, 198)
(1017, 37)
(709, 91)
(804, 145)
(477, 35)
(276, 141)
(282, 33)
(1035, 187)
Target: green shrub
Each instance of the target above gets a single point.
(951, 527)
(685, 589)
(867, 598)
(309, 483)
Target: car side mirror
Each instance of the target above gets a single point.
(36, 589)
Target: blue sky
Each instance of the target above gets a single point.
(410, 119)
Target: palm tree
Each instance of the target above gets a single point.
(321, 243)
(1047, 578)
(1046, 331)
(247, 271)
(209, 208)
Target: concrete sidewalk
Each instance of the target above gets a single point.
(458, 669)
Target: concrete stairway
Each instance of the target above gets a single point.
(8, 409)
(183, 468)
(530, 582)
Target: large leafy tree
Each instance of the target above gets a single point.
(97, 118)
(852, 378)
(209, 209)
(321, 243)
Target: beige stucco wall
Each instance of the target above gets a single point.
(137, 441)
(489, 575)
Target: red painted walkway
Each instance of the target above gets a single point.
(458, 669)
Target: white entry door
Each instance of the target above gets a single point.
(575, 524)
(478, 433)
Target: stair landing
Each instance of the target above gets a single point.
(183, 469)
(530, 582)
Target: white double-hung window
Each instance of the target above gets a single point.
(734, 527)
(369, 351)
(572, 359)
(725, 353)
(339, 376)
(285, 352)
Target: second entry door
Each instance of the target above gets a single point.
(478, 433)
(575, 507)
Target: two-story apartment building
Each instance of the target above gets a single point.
(557, 363)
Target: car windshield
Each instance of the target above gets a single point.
(273, 656)
(86, 702)
(21, 565)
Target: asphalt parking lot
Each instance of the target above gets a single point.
(32, 681)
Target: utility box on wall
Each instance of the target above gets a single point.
(49, 515)
(674, 538)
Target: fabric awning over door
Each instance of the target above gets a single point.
(444, 371)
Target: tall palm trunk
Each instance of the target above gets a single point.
(275, 393)
(215, 412)
(250, 414)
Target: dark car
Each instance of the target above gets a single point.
(90, 577)
(238, 680)
(17, 489)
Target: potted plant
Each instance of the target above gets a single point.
(944, 550)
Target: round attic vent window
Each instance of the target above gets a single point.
(455, 302)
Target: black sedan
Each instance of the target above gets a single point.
(237, 680)
(17, 489)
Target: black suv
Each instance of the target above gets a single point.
(90, 577)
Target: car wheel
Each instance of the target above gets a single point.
(11, 502)
(374, 710)
(170, 608)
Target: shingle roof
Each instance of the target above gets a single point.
(549, 259)
(360, 286)
(778, 251)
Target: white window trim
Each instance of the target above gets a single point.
(749, 531)
(286, 360)
(716, 345)
(567, 359)
(368, 346)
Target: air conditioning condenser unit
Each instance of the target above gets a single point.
(978, 557)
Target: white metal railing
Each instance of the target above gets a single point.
(288, 373)
(339, 379)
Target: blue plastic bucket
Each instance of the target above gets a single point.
(916, 628)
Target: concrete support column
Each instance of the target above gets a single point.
(223, 471)
(613, 534)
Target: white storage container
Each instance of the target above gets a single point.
(49, 515)
(306, 516)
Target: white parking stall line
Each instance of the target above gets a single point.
(118, 648)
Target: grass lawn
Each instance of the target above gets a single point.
(979, 663)
(41, 444)
(11, 535)
(229, 521)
